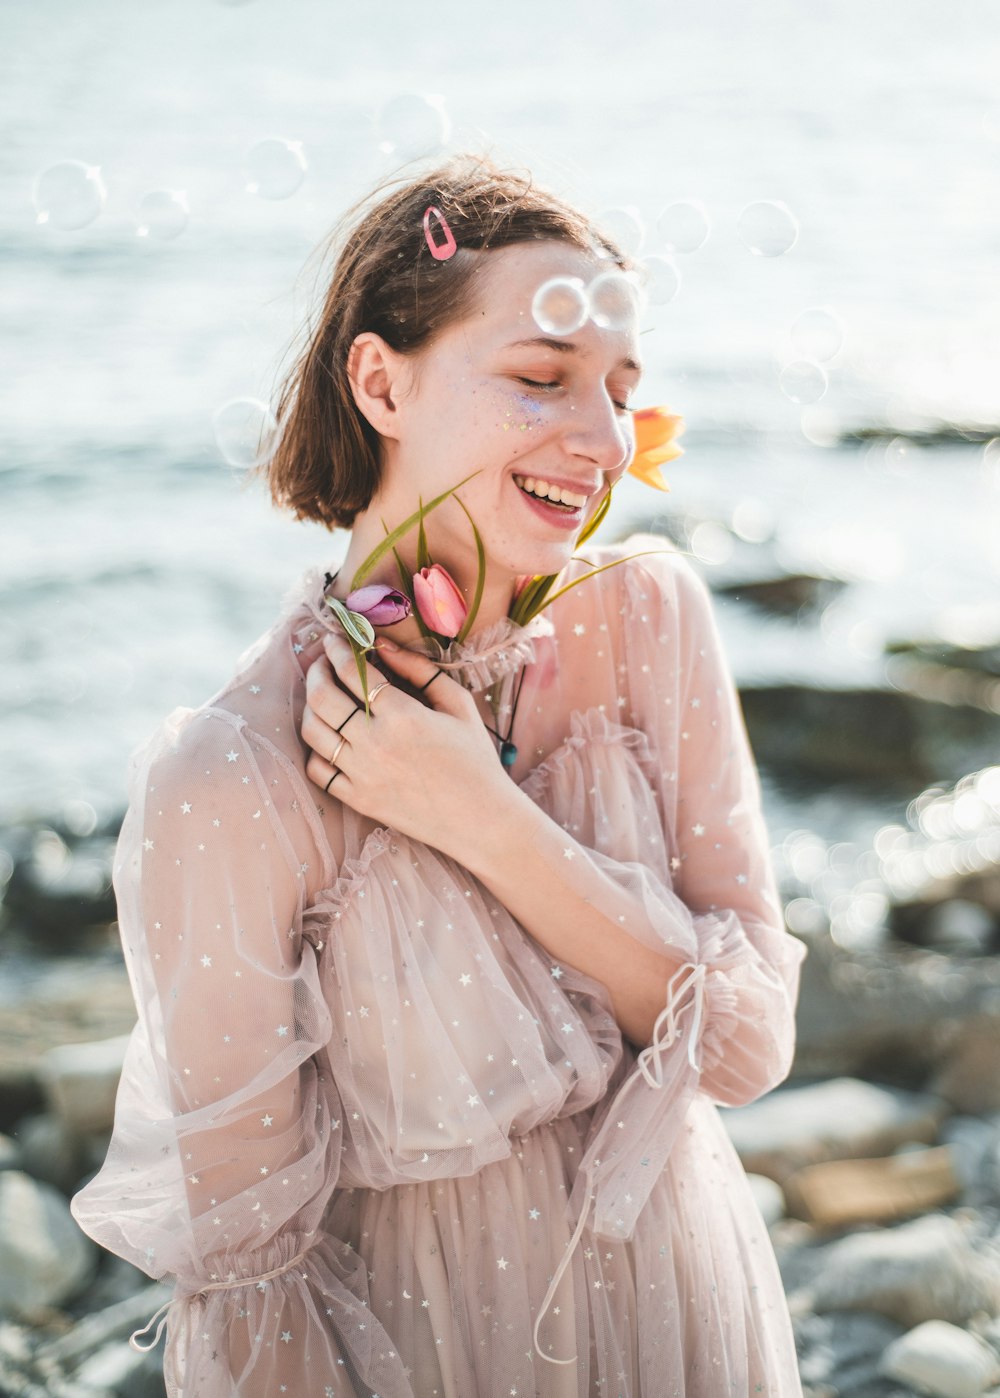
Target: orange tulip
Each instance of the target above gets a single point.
(655, 431)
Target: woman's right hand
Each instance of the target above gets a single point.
(425, 767)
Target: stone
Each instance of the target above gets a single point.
(81, 1081)
(975, 1148)
(927, 1269)
(941, 1360)
(10, 1155)
(50, 1152)
(769, 1196)
(840, 1119)
(968, 1077)
(839, 1192)
(45, 1259)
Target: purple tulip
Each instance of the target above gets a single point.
(382, 605)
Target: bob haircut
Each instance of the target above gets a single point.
(327, 463)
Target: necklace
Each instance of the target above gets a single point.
(508, 750)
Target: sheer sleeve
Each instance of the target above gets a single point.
(226, 1145)
(700, 887)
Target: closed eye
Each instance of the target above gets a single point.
(555, 383)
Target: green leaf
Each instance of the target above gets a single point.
(423, 557)
(596, 520)
(359, 629)
(396, 534)
(407, 580)
(603, 568)
(480, 578)
(362, 664)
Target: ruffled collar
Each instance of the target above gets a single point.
(484, 657)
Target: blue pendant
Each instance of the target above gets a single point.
(508, 753)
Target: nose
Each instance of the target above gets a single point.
(599, 432)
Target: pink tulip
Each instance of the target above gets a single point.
(439, 602)
(381, 604)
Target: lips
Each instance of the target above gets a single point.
(566, 518)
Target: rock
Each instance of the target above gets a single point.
(888, 1012)
(61, 889)
(76, 1002)
(10, 1156)
(44, 1257)
(941, 1360)
(865, 735)
(116, 1369)
(839, 1192)
(81, 1081)
(843, 1118)
(956, 925)
(785, 594)
(95, 1332)
(924, 1270)
(769, 1196)
(839, 1353)
(975, 1148)
(968, 1078)
(50, 1152)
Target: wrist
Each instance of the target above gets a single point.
(504, 818)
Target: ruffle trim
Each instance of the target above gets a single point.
(480, 660)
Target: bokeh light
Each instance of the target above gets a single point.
(163, 214)
(413, 124)
(246, 432)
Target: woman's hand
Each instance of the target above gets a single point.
(427, 769)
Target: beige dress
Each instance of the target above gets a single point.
(382, 1141)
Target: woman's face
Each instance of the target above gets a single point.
(495, 394)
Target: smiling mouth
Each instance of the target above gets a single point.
(540, 489)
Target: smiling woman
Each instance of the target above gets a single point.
(422, 1098)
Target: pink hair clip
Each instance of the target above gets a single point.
(440, 251)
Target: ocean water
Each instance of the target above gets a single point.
(135, 565)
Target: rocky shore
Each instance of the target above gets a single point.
(876, 1166)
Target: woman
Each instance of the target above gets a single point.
(422, 1095)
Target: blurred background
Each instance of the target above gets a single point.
(815, 192)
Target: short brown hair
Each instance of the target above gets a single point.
(327, 463)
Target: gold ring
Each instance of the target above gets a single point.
(336, 752)
(386, 684)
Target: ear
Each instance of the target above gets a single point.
(374, 372)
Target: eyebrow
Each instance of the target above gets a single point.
(567, 347)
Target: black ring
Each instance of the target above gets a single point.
(431, 680)
(331, 781)
(341, 726)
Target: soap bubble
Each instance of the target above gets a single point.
(614, 300)
(768, 227)
(624, 227)
(413, 124)
(275, 168)
(803, 381)
(663, 281)
(560, 306)
(818, 333)
(684, 225)
(246, 432)
(69, 194)
(163, 213)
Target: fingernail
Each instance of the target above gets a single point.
(385, 644)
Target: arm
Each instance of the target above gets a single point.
(227, 1136)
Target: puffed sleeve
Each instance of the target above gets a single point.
(701, 888)
(227, 1137)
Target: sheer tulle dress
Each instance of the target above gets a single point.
(382, 1142)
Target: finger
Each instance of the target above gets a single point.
(327, 708)
(334, 781)
(346, 670)
(435, 686)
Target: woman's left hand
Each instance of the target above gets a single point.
(427, 769)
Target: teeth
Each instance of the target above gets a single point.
(545, 491)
